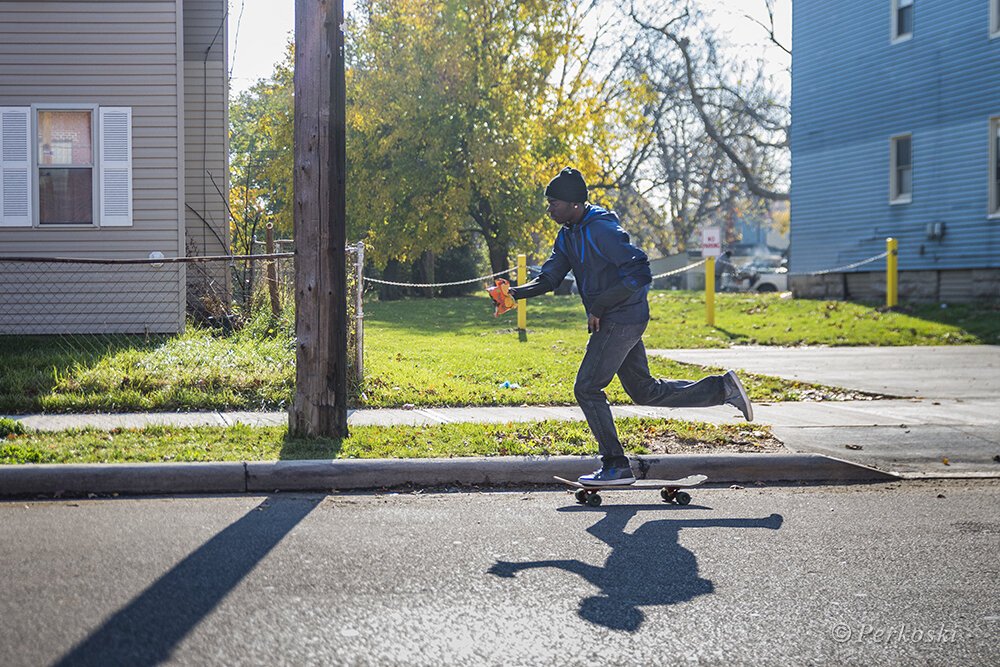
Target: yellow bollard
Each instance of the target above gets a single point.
(710, 291)
(522, 304)
(891, 273)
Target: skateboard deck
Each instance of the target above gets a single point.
(669, 489)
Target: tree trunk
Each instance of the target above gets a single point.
(497, 244)
(394, 272)
(499, 260)
(426, 271)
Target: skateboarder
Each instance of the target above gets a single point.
(613, 277)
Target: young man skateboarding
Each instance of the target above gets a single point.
(613, 277)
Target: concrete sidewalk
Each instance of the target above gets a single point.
(952, 430)
(901, 436)
(954, 415)
(958, 371)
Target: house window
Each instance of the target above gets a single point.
(65, 167)
(995, 167)
(994, 18)
(902, 20)
(901, 174)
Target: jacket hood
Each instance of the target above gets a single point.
(596, 213)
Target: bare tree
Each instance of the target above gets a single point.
(736, 105)
(682, 177)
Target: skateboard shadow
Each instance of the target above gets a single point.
(646, 568)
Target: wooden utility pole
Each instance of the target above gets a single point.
(320, 406)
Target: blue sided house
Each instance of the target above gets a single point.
(896, 133)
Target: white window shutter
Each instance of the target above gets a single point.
(116, 166)
(15, 167)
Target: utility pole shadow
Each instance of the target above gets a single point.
(148, 629)
(646, 568)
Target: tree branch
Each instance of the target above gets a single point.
(769, 29)
(698, 101)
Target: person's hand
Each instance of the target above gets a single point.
(593, 323)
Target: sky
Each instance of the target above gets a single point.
(259, 29)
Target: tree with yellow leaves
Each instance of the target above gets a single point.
(460, 111)
(261, 157)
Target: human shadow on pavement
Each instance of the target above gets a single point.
(148, 629)
(647, 567)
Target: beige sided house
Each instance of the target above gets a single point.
(113, 144)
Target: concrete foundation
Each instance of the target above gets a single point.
(944, 286)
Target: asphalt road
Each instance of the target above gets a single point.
(897, 574)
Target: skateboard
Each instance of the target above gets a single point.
(670, 489)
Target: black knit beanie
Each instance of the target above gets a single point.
(567, 186)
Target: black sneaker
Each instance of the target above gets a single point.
(736, 395)
(608, 477)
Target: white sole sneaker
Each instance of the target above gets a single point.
(606, 482)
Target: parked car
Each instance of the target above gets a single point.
(767, 276)
(775, 281)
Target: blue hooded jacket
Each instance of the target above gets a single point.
(599, 253)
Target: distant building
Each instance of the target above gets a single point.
(757, 235)
(896, 133)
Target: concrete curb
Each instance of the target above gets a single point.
(124, 478)
(271, 476)
(487, 471)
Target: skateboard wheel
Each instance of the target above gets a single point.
(666, 494)
(594, 500)
(581, 496)
(682, 498)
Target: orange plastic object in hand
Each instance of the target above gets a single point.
(500, 294)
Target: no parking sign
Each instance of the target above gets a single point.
(711, 242)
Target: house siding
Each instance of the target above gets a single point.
(852, 89)
(122, 54)
(166, 60)
(206, 145)
(206, 164)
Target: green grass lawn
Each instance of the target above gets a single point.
(437, 352)
(243, 443)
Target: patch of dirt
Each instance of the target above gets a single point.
(836, 394)
(756, 442)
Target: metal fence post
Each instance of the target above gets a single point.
(710, 291)
(359, 315)
(272, 275)
(891, 272)
(522, 304)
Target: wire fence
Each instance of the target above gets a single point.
(676, 272)
(148, 297)
(853, 265)
(482, 279)
(156, 333)
(172, 333)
